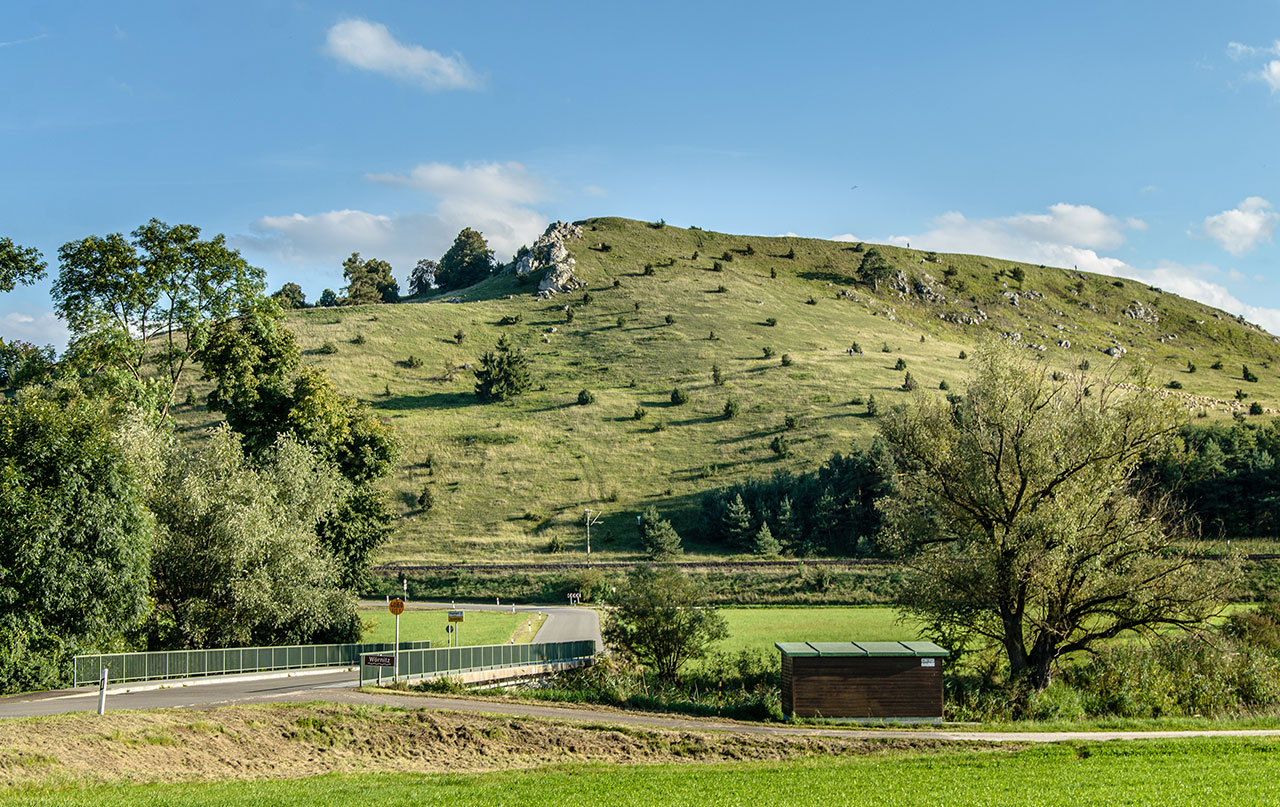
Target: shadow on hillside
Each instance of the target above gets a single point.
(827, 277)
(696, 420)
(432, 400)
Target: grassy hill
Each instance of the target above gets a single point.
(511, 479)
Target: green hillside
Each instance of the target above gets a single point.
(511, 479)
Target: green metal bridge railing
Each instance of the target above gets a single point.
(166, 664)
(434, 661)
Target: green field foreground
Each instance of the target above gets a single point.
(477, 628)
(1168, 772)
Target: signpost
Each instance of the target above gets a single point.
(591, 521)
(396, 607)
(455, 616)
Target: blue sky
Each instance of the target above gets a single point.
(1136, 138)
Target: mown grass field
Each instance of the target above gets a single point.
(477, 627)
(756, 629)
(1184, 772)
(511, 479)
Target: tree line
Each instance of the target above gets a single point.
(370, 280)
(114, 534)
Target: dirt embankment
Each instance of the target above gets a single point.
(296, 740)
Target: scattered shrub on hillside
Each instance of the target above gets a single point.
(587, 298)
(711, 335)
(1083, 366)
(460, 336)
(773, 273)
(659, 426)
(722, 289)
(511, 319)
(620, 322)
(648, 270)
(448, 370)
(569, 314)
(1247, 374)
(1018, 274)
(694, 256)
(771, 321)
(943, 385)
(659, 224)
(1217, 365)
(603, 247)
(640, 413)
(811, 301)
(717, 376)
(328, 348)
(767, 352)
(857, 400)
(884, 348)
(413, 362)
(426, 499)
(790, 422)
(1118, 284)
(612, 495)
(716, 266)
(191, 399)
(585, 397)
(900, 365)
(1175, 384)
(731, 409)
(617, 283)
(791, 254)
(873, 408)
(750, 250)
(358, 339)
(556, 545)
(727, 256)
(780, 445)
(963, 355)
(786, 359)
(1255, 408)
(1191, 368)
(636, 305)
(670, 319)
(679, 396)
(503, 373)
(909, 383)
(386, 390)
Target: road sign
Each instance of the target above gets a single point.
(378, 660)
(448, 629)
(455, 616)
(396, 606)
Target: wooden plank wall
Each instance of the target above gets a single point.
(851, 686)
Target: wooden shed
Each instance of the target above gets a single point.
(869, 681)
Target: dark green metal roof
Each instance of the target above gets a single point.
(866, 649)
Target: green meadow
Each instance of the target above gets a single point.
(477, 627)
(1189, 772)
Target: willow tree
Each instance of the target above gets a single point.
(1024, 518)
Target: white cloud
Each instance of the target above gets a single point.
(1055, 243)
(41, 328)
(1238, 51)
(493, 198)
(1065, 236)
(12, 42)
(370, 46)
(1271, 74)
(1244, 227)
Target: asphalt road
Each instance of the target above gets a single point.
(562, 624)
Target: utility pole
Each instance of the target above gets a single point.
(590, 521)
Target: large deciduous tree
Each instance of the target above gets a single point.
(19, 264)
(369, 281)
(264, 392)
(237, 560)
(661, 618)
(423, 277)
(1024, 519)
(466, 263)
(75, 535)
(150, 299)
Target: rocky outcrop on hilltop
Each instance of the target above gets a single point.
(549, 252)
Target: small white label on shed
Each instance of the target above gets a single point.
(928, 662)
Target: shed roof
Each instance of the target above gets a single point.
(860, 649)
